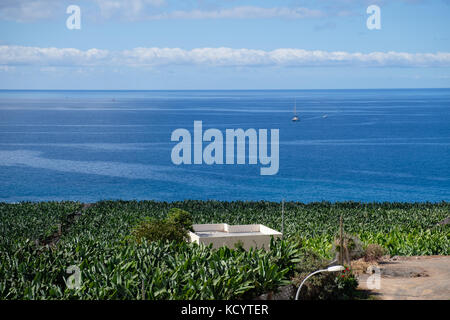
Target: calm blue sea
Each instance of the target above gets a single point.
(363, 145)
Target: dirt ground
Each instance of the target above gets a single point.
(409, 278)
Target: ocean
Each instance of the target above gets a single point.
(361, 145)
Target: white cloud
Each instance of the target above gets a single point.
(32, 10)
(243, 12)
(226, 57)
(20, 55)
(29, 10)
(130, 9)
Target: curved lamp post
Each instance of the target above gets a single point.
(329, 269)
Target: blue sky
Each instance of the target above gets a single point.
(228, 44)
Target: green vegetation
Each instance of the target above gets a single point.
(174, 228)
(326, 285)
(113, 267)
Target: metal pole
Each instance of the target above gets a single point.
(299, 288)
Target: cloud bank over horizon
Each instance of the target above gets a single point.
(16, 56)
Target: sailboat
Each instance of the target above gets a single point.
(295, 117)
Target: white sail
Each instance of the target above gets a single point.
(295, 117)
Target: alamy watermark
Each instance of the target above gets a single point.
(213, 152)
(373, 282)
(73, 281)
(374, 20)
(74, 20)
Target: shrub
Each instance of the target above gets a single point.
(346, 284)
(180, 218)
(373, 252)
(174, 228)
(323, 286)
